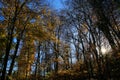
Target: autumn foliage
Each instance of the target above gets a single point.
(79, 42)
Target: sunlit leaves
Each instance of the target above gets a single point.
(2, 40)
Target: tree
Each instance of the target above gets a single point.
(21, 22)
(104, 23)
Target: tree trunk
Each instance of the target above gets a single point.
(38, 59)
(14, 56)
(103, 21)
(8, 47)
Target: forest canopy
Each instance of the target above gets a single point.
(79, 40)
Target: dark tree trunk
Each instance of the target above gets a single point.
(5, 61)
(8, 47)
(14, 56)
(16, 49)
(38, 60)
(103, 21)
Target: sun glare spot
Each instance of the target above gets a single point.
(103, 50)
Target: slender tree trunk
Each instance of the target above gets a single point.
(16, 49)
(71, 60)
(10, 37)
(5, 62)
(103, 21)
(8, 47)
(56, 63)
(38, 60)
(14, 56)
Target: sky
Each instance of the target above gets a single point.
(56, 4)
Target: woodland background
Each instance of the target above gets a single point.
(78, 42)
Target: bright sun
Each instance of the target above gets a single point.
(103, 50)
